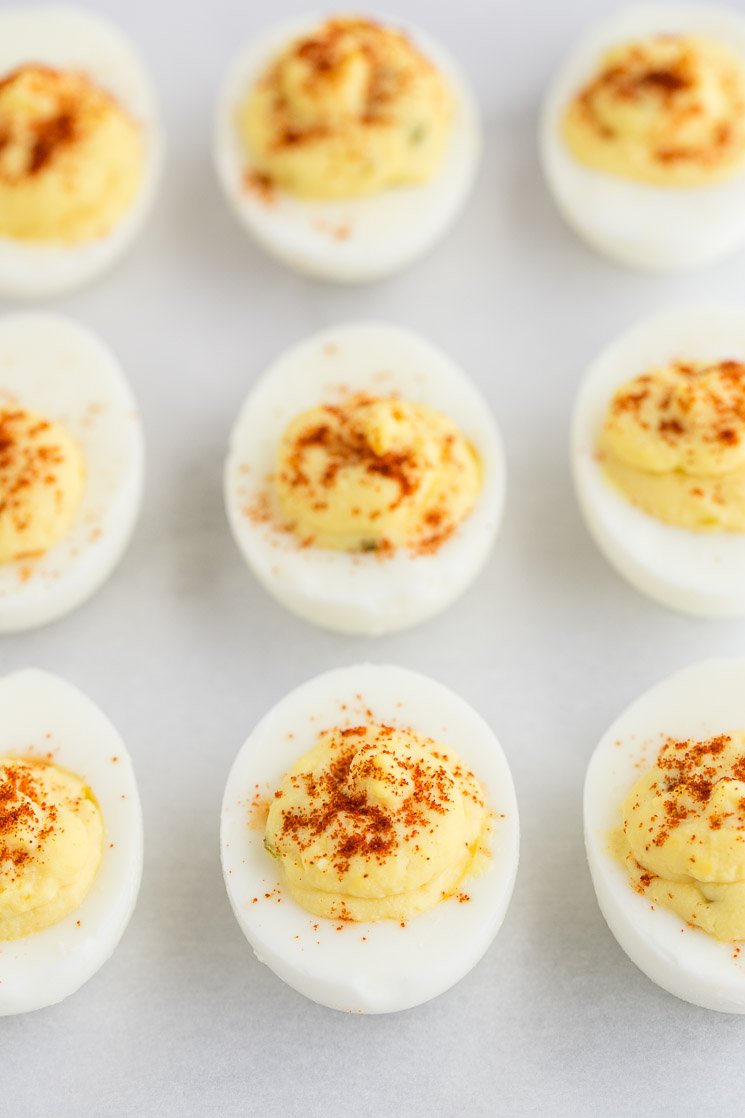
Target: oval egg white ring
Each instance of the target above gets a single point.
(42, 716)
(376, 967)
(638, 224)
(700, 702)
(696, 572)
(363, 238)
(55, 367)
(71, 39)
(345, 592)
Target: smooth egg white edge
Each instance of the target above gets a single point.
(701, 573)
(359, 239)
(637, 224)
(394, 967)
(70, 38)
(54, 366)
(360, 593)
(697, 703)
(41, 714)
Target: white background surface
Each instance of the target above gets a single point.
(184, 651)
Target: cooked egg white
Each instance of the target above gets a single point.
(642, 225)
(383, 966)
(344, 591)
(43, 717)
(357, 239)
(65, 38)
(700, 572)
(701, 702)
(53, 367)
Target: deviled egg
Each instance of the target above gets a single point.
(70, 840)
(347, 147)
(659, 424)
(365, 479)
(71, 467)
(664, 826)
(339, 879)
(81, 148)
(642, 135)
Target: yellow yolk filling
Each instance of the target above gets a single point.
(42, 477)
(683, 835)
(51, 841)
(673, 442)
(347, 111)
(668, 110)
(375, 473)
(376, 823)
(71, 159)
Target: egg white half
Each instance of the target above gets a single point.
(699, 702)
(644, 226)
(365, 967)
(696, 572)
(69, 38)
(43, 716)
(359, 593)
(359, 239)
(57, 368)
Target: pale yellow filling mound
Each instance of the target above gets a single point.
(51, 841)
(349, 110)
(71, 159)
(376, 823)
(668, 110)
(673, 442)
(42, 477)
(683, 834)
(375, 473)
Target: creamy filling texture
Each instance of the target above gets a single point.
(673, 442)
(71, 159)
(667, 110)
(346, 111)
(682, 840)
(375, 474)
(51, 841)
(42, 478)
(377, 823)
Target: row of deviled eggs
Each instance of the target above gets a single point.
(346, 148)
(369, 837)
(365, 477)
